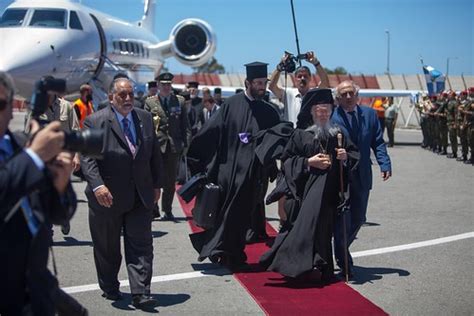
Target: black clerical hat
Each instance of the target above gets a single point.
(165, 77)
(256, 70)
(193, 84)
(152, 84)
(312, 97)
(316, 96)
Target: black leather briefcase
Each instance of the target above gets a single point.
(191, 188)
(207, 206)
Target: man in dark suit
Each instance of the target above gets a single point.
(121, 190)
(361, 123)
(35, 191)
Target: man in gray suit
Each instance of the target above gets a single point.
(121, 190)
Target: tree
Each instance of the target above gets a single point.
(337, 71)
(211, 67)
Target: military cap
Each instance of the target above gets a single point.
(165, 77)
(152, 84)
(193, 84)
(256, 70)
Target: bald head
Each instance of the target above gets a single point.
(347, 95)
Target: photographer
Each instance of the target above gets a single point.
(290, 97)
(35, 191)
(61, 110)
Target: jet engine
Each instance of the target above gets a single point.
(193, 42)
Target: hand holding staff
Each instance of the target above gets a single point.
(341, 179)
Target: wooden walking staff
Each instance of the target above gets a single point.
(341, 180)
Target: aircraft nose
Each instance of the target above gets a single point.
(24, 56)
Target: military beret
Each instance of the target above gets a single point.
(152, 84)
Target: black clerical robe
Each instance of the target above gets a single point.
(225, 149)
(306, 244)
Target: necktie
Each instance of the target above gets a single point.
(165, 104)
(30, 218)
(128, 135)
(354, 127)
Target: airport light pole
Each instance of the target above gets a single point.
(447, 64)
(388, 51)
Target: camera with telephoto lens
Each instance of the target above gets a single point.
(289, 64)
(88, 142)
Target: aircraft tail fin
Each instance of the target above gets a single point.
(149, 13)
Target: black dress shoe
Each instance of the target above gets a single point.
(168, 216)
(143, 301)
(469, 161)
(452, 156)
(66, 228)
(112, 296)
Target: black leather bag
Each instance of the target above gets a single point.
(191, 188)
(207, 206)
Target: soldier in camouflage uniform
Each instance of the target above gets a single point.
(451, 119)
(469, 111)
(173, 132)
(423, 108)
(441, 114)
(462, 125)
(433, 125)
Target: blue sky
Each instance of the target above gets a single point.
(348, 33)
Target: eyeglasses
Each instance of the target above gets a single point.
(123, 95)
(347, 94)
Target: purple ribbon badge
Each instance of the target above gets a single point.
(244, 137)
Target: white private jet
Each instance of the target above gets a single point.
(68, 40)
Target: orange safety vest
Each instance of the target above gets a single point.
(82, 110)
(378, 107)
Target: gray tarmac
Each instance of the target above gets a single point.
(428, 197)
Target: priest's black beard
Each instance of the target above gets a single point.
(323, 132)
(255, 94)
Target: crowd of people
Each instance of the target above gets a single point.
(449, 114)
(320, 157)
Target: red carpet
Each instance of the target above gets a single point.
(279, 296)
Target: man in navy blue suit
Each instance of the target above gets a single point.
(362, 125)
(35, 192)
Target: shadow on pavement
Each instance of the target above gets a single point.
(158, 234)
(71, 241)
(163, 300)
(363, 275)
(211, 269)
(370, 224)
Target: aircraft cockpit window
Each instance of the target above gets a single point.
(74, 22)
(49, 18)
(13, 17)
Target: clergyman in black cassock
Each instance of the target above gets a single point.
(306, 245)
(225, 149)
